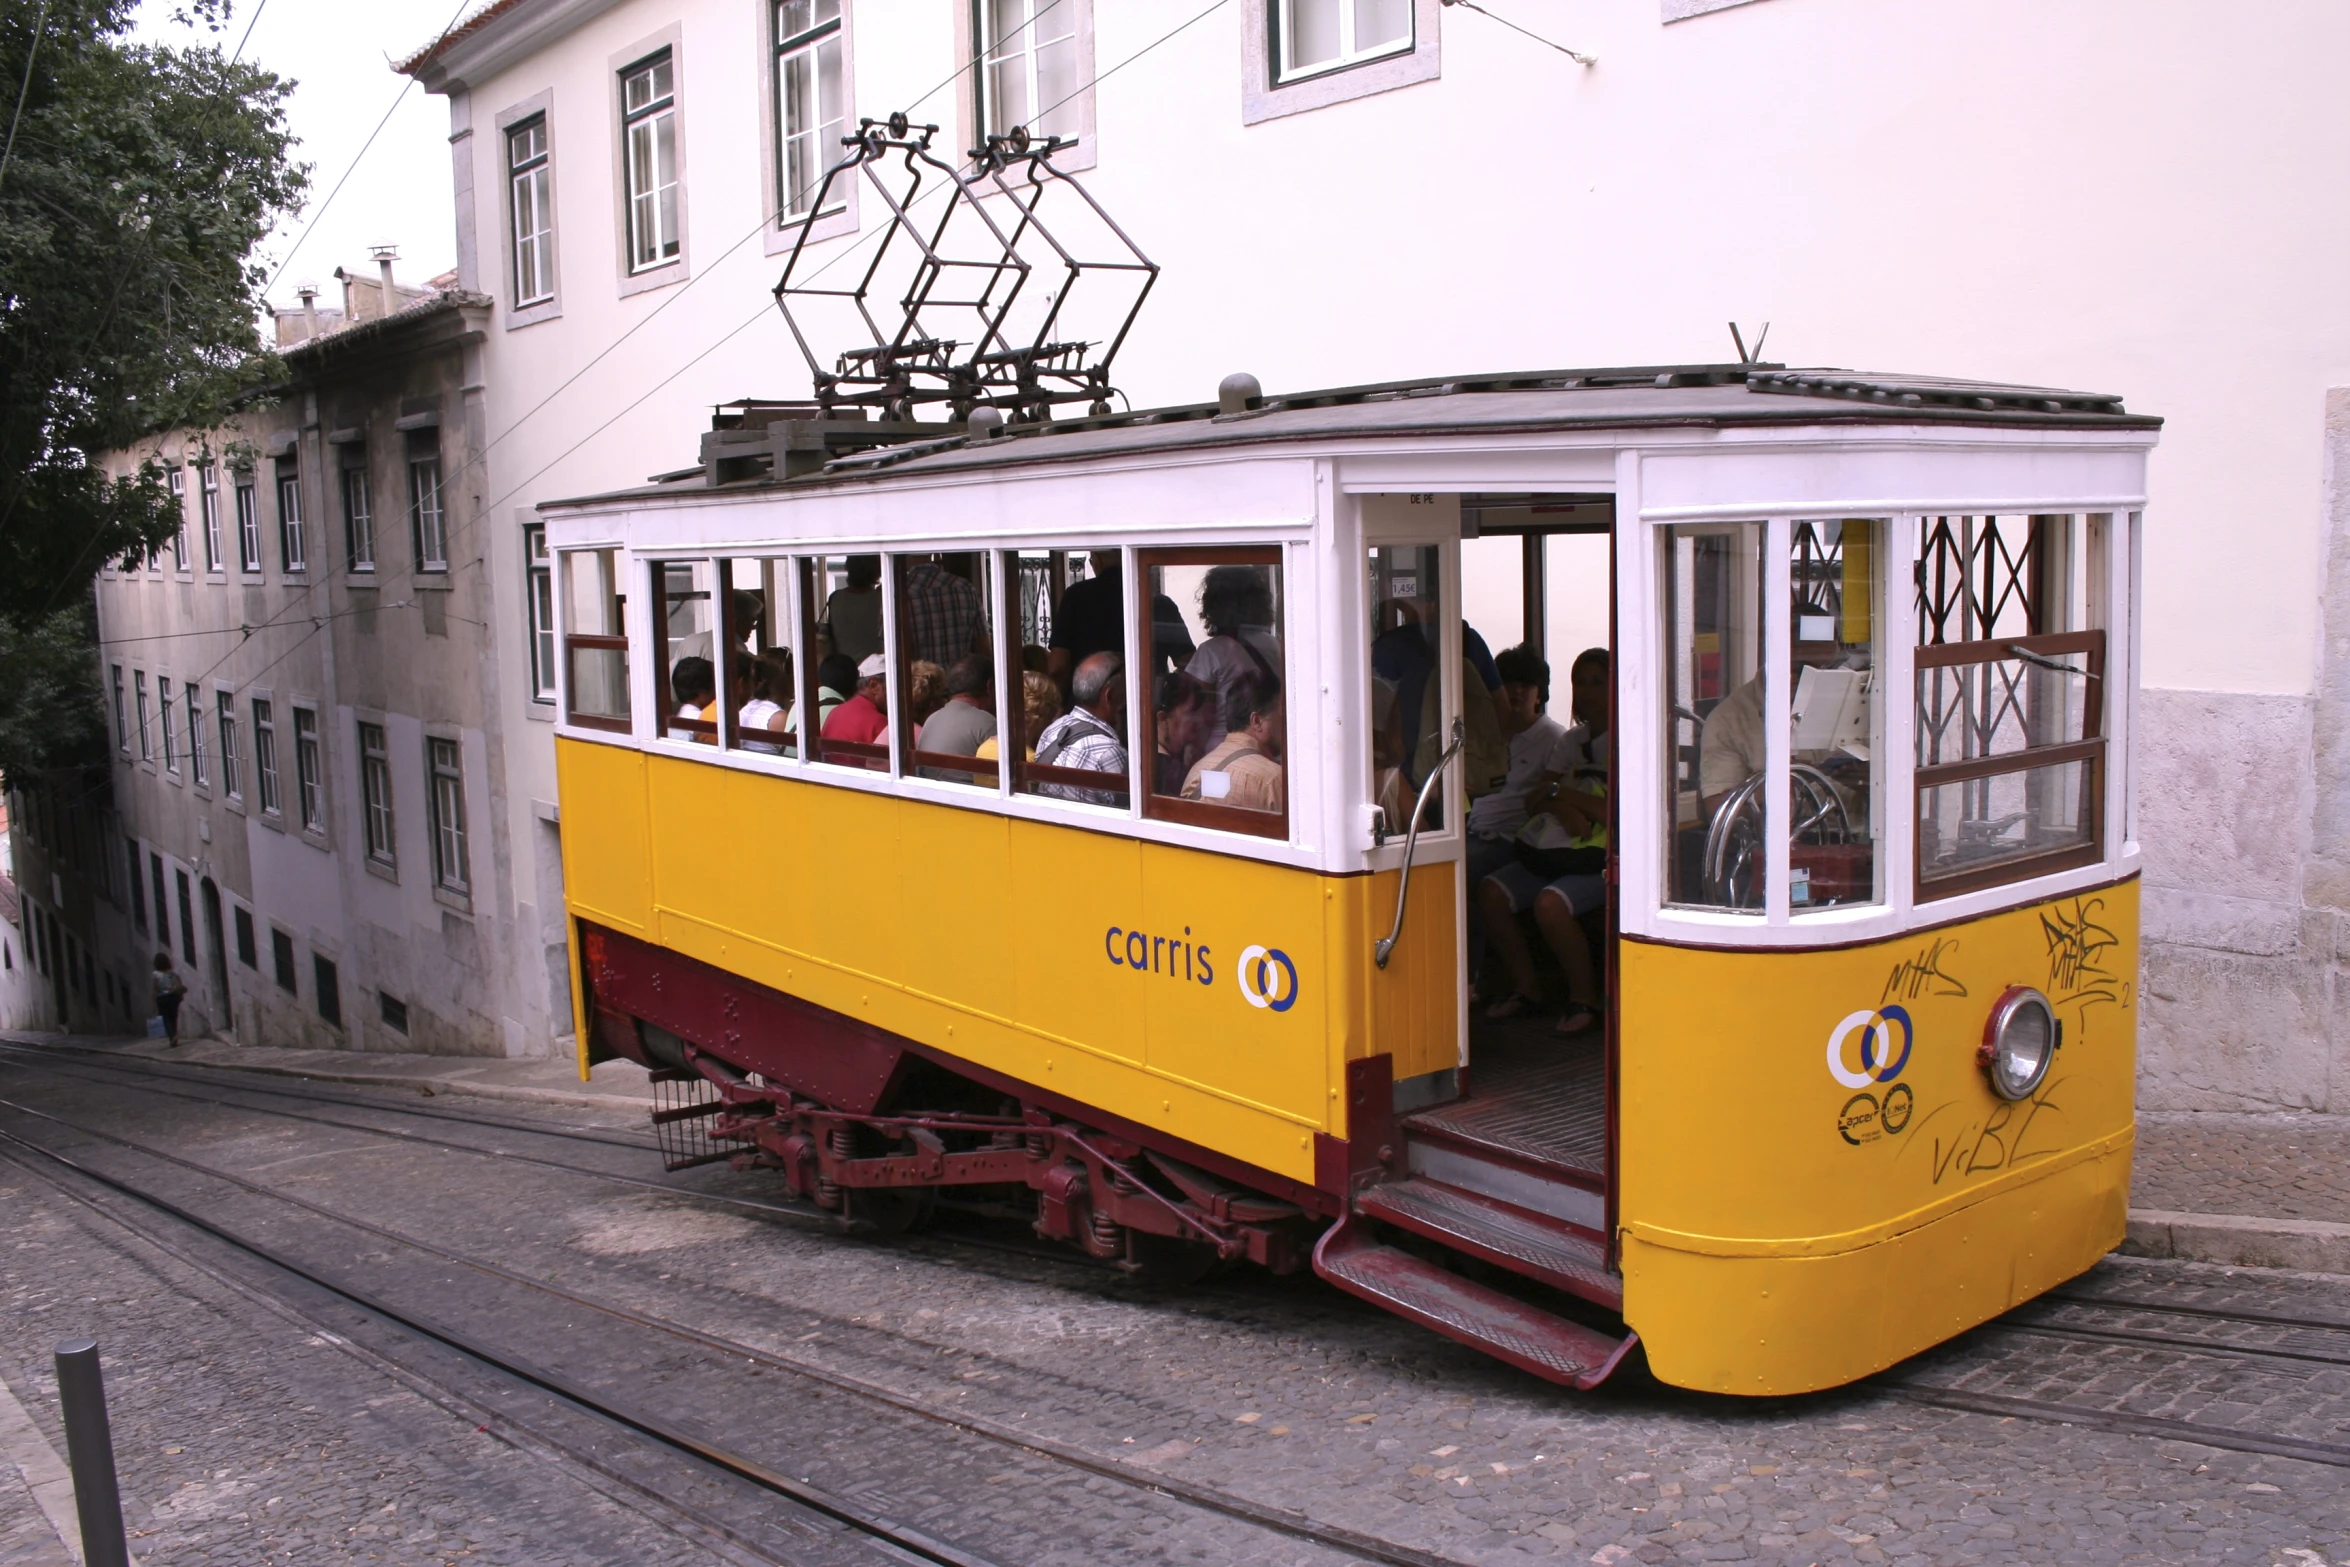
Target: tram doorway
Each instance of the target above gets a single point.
(1525, 1121)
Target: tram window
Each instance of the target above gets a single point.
(1836, 713)
(758, 670)
(595, 641)
(1069, 606)
(1714, 731)
(2010, 690)
(1217, 729)
(946, 677)
(851, 695)
(687, 678)
(1407, 685)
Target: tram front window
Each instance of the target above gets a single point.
(1218, 730)
(1407, 686)
(2011, 678)
(1836, 708)
(1715, 854)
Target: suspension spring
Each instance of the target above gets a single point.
(1106, 1229)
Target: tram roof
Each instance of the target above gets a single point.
(1653, 397)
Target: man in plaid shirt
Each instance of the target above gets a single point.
(1089, 735)
(942, 613)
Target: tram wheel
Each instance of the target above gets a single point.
(885, 1210)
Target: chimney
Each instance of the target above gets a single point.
(385, 255)
(309, 293)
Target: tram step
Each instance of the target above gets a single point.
(1553, 1191)
(1509, 1237)
(1524, 1336)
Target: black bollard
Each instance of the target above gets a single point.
(89, 1449)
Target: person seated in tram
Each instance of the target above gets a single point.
(926, 692)
(966, 720)
(1531, 738)
(1559, 870)
(768, 710)
(864, 718)
(1092, 619)
(693, 686)
(1091, 736)
(1245, 767)
(1184, 722)
(1236, 606)
(750, 613)
(1040, 704)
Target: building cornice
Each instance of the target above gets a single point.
(495, 37)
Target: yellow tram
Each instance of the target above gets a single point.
(1868, 938)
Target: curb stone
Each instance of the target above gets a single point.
(2237, 1240)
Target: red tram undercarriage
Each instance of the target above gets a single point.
(871, 1126)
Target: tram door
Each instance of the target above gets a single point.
(1537, 574)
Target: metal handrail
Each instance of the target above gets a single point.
(1403, 886)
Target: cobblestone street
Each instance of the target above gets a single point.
(1045, 1410)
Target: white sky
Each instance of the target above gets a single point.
(339, 57)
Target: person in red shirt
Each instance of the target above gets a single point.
(864, 717)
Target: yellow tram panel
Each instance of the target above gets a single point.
(1817, 1179)
(1104, 969)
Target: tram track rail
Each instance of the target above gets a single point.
(865, 1523)
(1212, 1499)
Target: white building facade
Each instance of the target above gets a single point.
(2141, 200)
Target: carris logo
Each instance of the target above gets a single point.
(1268, 979)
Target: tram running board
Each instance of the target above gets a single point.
(1509, 1237)
(1524, 1336)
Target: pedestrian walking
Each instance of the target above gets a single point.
(170, 990)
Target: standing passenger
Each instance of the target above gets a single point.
(853, 614)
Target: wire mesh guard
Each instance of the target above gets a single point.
(983, 286)
(684, 1105)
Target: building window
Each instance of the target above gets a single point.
(245, 949)
(197, 769)
(375, 793)
(1313, 36)
(281, 955)
(122, 723)
(358, 519)
(208, 512)
(171, 744)
(540, 575)
(138, 885)
(330, 989)
(427, 525)
(811, 97)
(1029, 70)
(648, 98)
(179, 520)
(289, 518)
(146, 743)
(265, 756)
(232, 767)
(248, 525)
(187, 919)
(162, 904)
(393, 1011)
(527, 178)
(449, 867)
(309, 774)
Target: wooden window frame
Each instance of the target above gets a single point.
(1169, 808)
(2091, 749)
(576, 642)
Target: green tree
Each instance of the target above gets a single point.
(135, 181)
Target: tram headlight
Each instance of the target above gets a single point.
(2019, 1042)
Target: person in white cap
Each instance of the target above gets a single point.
(864, 717)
